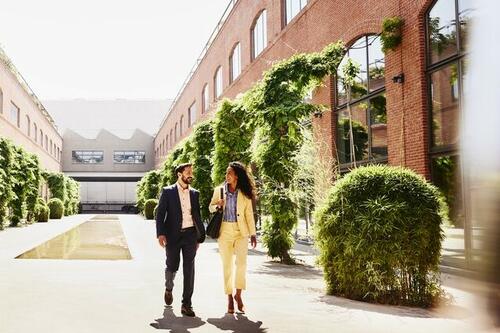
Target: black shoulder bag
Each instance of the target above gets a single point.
(213, 228)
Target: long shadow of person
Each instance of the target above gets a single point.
(176, 324)
(237, 324)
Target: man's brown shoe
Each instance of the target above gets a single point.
(187, 311)
(168, 297)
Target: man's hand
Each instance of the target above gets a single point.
(220, 203)
(253, 241)
(162, 239)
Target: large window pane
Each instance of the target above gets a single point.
(445, 112)
(87, 156)
(378, 126)
(376, 63)
(359, 130)
(358, 53)
(129, 157)
(442, 30)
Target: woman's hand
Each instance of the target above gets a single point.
(253, 241)
(220, 203)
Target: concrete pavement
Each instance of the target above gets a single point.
(53, 295)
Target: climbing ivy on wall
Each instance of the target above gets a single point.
(203, 144)
(233, 135)
(278, 109)
(6, 179)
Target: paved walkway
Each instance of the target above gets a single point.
(52, 295)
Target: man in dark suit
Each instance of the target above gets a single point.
(179, 228)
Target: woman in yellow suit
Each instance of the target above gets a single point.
(238, 225)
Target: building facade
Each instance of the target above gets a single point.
(107, 167)
(405, 104)
(24, 120)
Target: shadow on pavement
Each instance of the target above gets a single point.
(299, 271)
(237, 324)
(176, 324)
(449, 311)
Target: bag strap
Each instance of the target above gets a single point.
(222, 192)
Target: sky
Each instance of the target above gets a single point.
(106, 49)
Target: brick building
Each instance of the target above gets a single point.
(406, 102)
(24, 120)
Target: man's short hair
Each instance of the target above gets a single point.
(180, 168)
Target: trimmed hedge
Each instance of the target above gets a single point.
(41, 213)
(56, 207)
(379, 236)
(149, 207)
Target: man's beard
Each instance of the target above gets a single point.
(187, 180)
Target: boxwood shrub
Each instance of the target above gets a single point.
(379, 235)
(41, 213)
(56, 207)
(149, 208)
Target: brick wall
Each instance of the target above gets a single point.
(322, 22)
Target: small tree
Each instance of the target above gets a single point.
(21, 175)
(6, 179)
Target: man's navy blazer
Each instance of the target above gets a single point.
(169, 214)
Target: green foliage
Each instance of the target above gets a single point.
(57, 185)
(391, 33)
(360, 138)
(41, 211)
(232, 137)
(72, 196)
(149, 207)
(278, 110)
(56, 207)
(203, 144)
(379, 236)
(148, 188)
(33, 182)
(6, 180)
(177, 156)
(21, 174)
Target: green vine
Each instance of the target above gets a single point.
(391, 33)
(232, 138)
(278, 109)
(203, 144)
(6, 179)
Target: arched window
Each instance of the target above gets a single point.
(35, 130)
(181, 126)
(1, 101)
(218, 83)
(15, 115)
(28, 126)
(235, 62)
(192, 114)
(205, 99)
(41, 138)
(368, 106)
(171, 138)
(46, 142)
(176, 132)
(50, 147)
(167, 142)
(259, 34)
(292, 8)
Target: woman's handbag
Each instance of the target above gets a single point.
(213, 228)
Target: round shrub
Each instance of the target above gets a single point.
(56, 208)
(41, 213)
(149, 207)
(379, 235)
